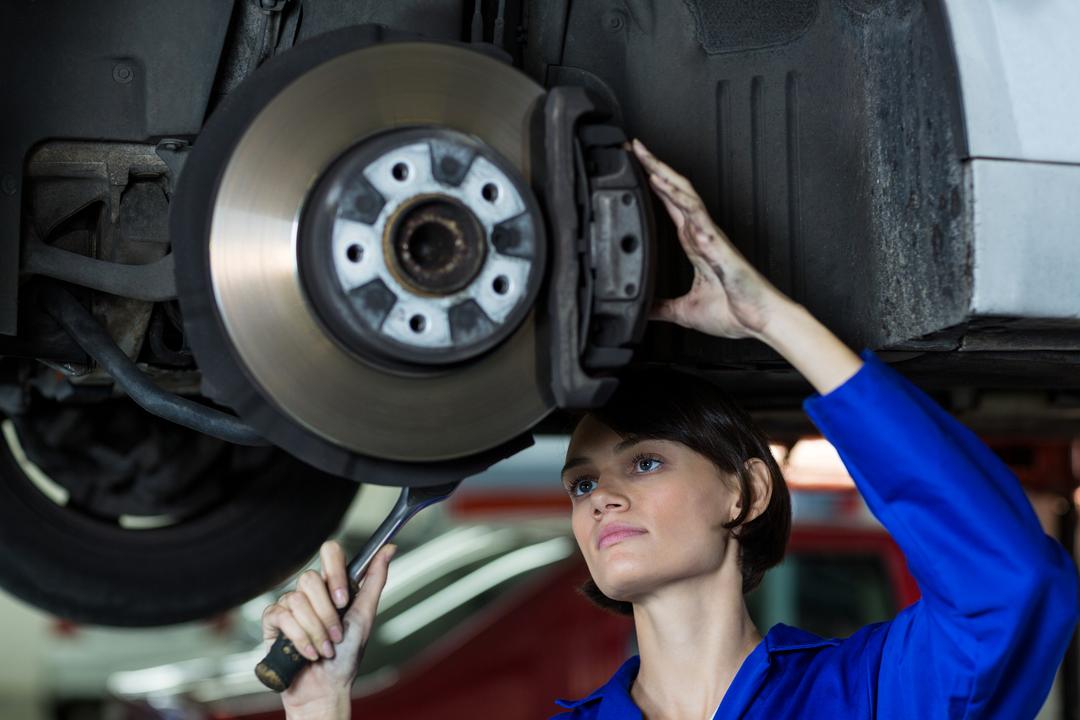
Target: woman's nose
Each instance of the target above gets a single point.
(609, 498)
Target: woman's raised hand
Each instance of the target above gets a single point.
(728, 297)
(308, 616)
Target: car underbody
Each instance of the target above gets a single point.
(344, 242)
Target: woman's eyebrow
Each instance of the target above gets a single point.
(576, 461)
(573, 463)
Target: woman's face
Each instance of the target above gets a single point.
(672, 500)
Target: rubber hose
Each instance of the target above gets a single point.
(96, 342)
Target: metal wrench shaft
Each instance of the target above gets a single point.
(282, 664)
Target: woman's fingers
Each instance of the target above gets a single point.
(279, 617)
(309, 618)
(314, 588)
(673, 212)
(304, 613)
(688, 212)
(680, 199)
(683, 230)
(678, 195)
(362, 612)
(698, 234)
(656, 166)
(686, 200)
(696, 229)
(332, 558)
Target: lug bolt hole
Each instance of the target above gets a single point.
(400, 171)
(627, 199)
(501, 285)
(490, 191)
(630, 289)
(355, 253)
(417, 323)
(629, 244)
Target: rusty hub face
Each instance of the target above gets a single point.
(437, 245)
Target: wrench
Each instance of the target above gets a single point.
(282, 664)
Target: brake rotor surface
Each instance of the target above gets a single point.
(260, 297)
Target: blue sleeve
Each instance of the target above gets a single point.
(999, 597)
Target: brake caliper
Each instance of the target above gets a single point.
(602, 247)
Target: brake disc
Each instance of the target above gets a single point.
(359, 253)
(371, 251)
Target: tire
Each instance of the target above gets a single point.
(88, 569)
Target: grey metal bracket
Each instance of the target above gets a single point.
(153, 282)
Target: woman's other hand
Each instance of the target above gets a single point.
(728, 297)
(308, 616)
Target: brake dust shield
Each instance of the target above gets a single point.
(246, 290)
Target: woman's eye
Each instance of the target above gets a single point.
(582, 487)
(646, 464)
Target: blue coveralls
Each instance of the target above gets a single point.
(999, 597)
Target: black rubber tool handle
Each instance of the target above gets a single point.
(284, 662)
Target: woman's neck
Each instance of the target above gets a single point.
(692, 637)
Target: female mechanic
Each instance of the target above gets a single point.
(678, 509)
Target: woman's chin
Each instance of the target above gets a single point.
(624, 584)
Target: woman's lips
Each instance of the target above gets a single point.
(612, 535)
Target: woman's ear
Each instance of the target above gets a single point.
(760, 487)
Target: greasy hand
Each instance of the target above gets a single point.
(728, 297)
(309, 617)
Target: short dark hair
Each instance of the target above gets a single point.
(663, 403)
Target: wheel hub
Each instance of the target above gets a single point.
(419, 247)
